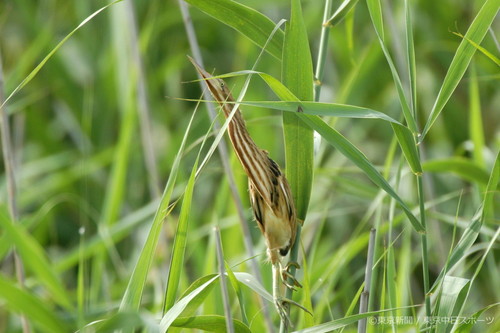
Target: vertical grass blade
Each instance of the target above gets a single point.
(322, 50)
(133, 293)
(180, 241)
(297, 75)
(462, 58)
(476, 123)
(179, 307)
(375, 11)
(306, 301)
(223, 283)
(452, 296)
(377, 20)
(410, 58)
(236, 286)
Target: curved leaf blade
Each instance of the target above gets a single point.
(249, 22)
(179, 307)
(358, 158)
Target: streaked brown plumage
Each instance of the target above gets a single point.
(270, 194)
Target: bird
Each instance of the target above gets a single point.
(270, 194)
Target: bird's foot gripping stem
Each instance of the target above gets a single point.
(287, 278)
(281, 303)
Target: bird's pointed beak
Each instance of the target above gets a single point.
(210, 82)
(204, 74)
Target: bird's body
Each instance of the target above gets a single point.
(270, 193)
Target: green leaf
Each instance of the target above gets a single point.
(491, 189)
(376, 16)
(34, 258)
(36, 311)
(407, 143)
(180, 241)
(179, 307)
(253, 284)
(249, 22)
(198, 300)
(450, 300)
(236, 286)
(476, 129)
(358, 158)
(306, 295)
(323, 109)
(297, 76)
(410, 57)
(462, 58)
(211, 323)
(375, 11)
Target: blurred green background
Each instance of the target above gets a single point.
(80, 162)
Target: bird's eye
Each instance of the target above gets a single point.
(222, 84)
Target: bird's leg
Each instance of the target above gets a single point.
(281, 302)
(285, 275)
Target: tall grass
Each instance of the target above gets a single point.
(95, 123)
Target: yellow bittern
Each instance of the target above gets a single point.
(270, 194)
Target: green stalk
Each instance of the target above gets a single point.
(423, 240)
(323, 47)
(410, 58)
